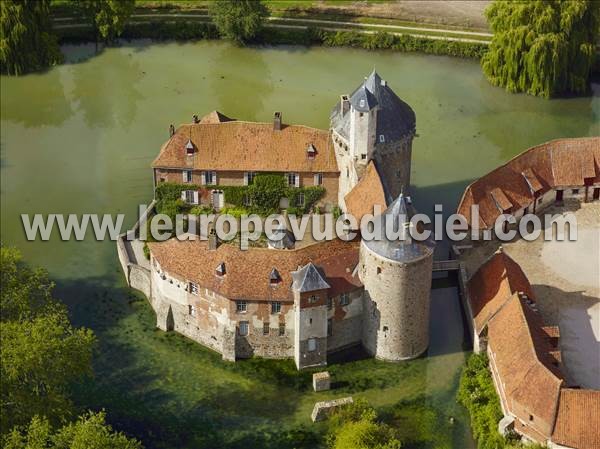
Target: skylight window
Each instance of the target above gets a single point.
(274, 277)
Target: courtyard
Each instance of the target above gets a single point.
(565, 276)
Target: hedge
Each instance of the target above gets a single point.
(381, 40)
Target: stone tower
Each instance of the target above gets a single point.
(396, 274)
(373, 124)
(310, 292)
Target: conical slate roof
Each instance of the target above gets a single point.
(308, 279)
(395, 118)
(400, 246)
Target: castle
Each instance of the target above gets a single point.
(299, 302)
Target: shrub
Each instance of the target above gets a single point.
(477, 393)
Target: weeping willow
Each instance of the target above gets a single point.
(542, 47)
(26, 41)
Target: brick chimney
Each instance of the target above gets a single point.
(345, 104)
(277, 121)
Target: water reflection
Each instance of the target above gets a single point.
(241, 80)
(35, 100)
(106, 89)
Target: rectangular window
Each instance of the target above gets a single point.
(249, 177)
(363, 156)
(275, 307)
(193, 288)
(192, 310)
(575, 191)
(313, 299)
(281, 329)
(187, 176)
(243, 328)
(266, 329)
(344, 299)
(318, 179)
(329, 327)
(312, 344)
(241, 306)
(209, 178)
(293, 179)
(189, 196)
(329, 303)
(300, 200)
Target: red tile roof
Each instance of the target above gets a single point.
(248, 146)
(493, 285)
(559, 163)
(520, 353)
(578, 420)
(215, 117)
(248, 271)
(366, 194)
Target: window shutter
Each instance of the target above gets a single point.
(195, 197)
(184, 173)
(297, 179)
(246, 182)
(203, 178)
(183, 197)
(214, 178)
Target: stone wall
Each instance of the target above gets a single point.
(393, 163)
(396, 308)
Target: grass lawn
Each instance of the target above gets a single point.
(172, 393)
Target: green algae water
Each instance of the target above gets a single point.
(80, 137)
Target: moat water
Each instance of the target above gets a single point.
(80, 139)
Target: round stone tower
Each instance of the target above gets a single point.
(396, 273)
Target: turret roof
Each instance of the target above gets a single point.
(395, 118)
(396, 219)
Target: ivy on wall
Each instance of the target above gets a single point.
(262, 196)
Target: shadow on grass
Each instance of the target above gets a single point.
(172, 393)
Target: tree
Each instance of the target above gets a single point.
(42, 354)
(542, 47)
(107, 17)
(26, 40)
(89, 431)
(238, 20)
(355, 426)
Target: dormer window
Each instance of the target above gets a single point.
(381, 138)
(220, 271)
(189, 148)
(274, 277)
(362, 103)
(311, 152)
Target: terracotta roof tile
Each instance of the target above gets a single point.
(501, 200)
(530, 382)
(493, 285)
(248, 272)
(564, 162)
(578, 419)
(366, 194)
(215, 117)
(247, 146)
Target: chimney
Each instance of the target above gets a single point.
(277, 121)
(345, 104)
(171, 130)
(213, 240)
